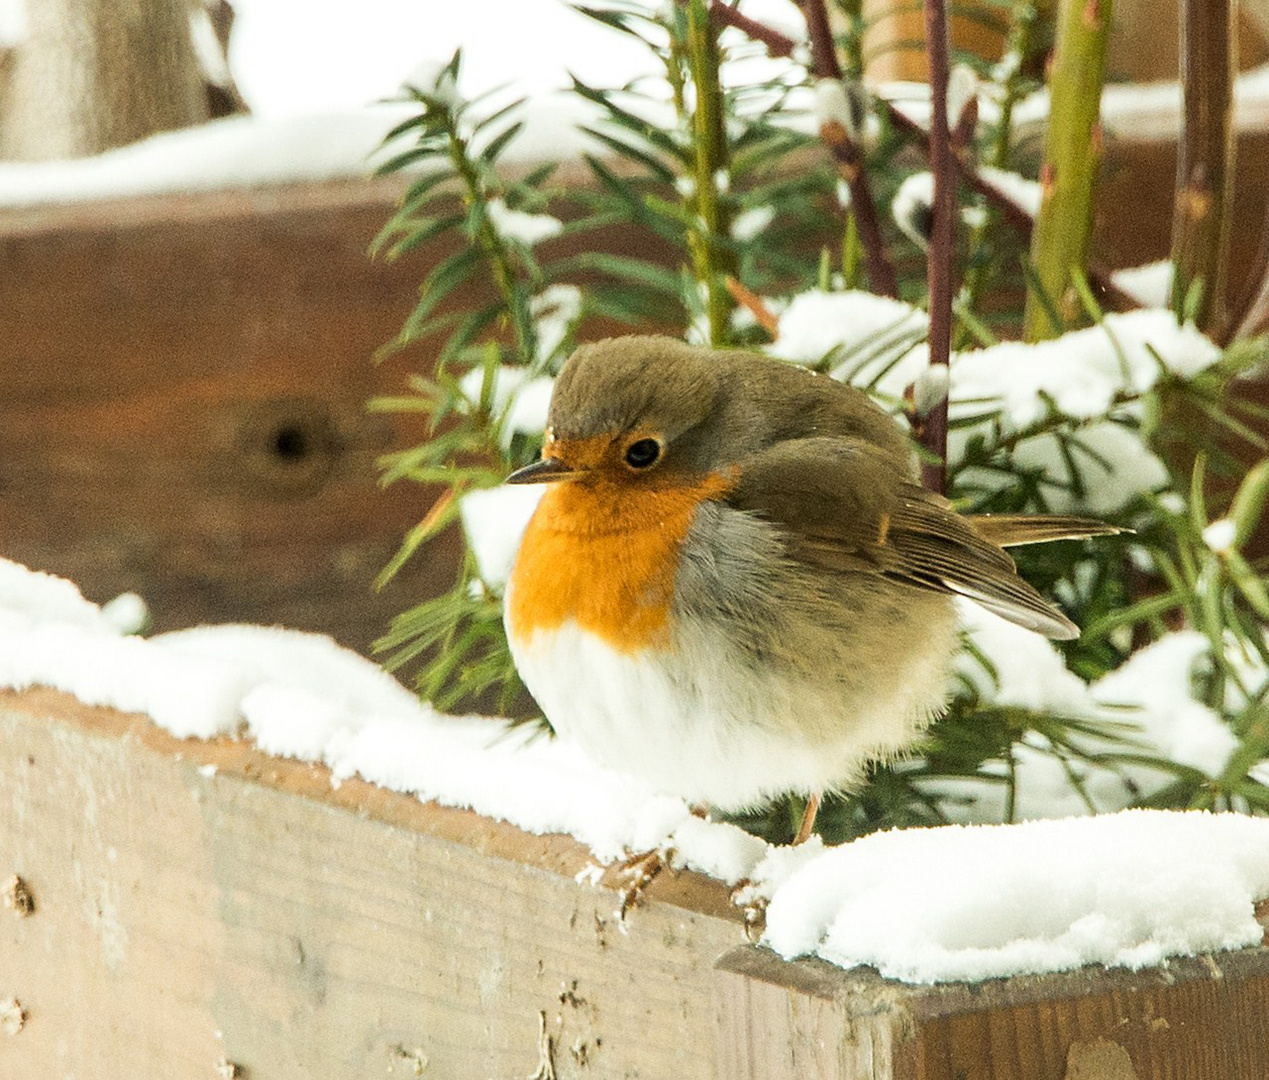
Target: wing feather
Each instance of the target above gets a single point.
(854, 509)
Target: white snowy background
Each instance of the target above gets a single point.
(1125, 888)
(316, 73)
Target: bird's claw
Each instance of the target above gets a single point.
(640, 871)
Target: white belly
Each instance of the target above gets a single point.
(698, 722)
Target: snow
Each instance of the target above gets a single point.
(912, 207)
(1025, 193)
(962, 88)
(979, 902)
(555, 310)
(14, 27)
(494, 519)
(1150, 695)
(1220, 535)
(1150, 285)
(127, 613)
(1083, 371)
(1129, 889)
(929, 389)
(750, 224)
(28, 597)
(1130, 110)
(528, 229)
(833, 106)
(816, 324)
(1086, 375)
(525, 398)
(237, 151)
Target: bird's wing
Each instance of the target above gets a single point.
(851, 508)
(1011, 530)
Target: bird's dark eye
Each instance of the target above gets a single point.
(641, 454)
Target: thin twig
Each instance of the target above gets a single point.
(820, 31)
(940, 253)
(849, 157)
(762, 314)
(850, 167)
(777, 44)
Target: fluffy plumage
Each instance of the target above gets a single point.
(790, 584)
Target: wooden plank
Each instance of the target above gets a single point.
(259, 917)
(1200, 1019)
(184, 406)
(192, 903)
(183, 413)
(780, 1020)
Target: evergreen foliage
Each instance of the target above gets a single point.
(748, 202)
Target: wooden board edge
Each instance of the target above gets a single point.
(554, 853)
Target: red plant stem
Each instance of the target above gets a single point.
(850, 167)
(849, 157)
(746, 298)
(777, 44)
(820, 31)
(940, 253)
(1205, 157)
(846, 152)
(1017, 217)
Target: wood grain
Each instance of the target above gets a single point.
(197, 903)
(183, 409)
(297, 931)
(184, 406)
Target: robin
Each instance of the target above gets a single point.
(733, 586)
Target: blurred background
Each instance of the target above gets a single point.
(189, 312)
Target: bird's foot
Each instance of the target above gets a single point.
(753, 906)
(640, 871)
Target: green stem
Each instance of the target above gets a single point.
(852, 16)
(1060, 240)
(490, 242)
(1023, 20)
(710, 264)
(1205, 159)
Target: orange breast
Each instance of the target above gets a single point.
(605, 555)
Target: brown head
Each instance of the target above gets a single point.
(653, 410)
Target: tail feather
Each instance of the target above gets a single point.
(1010, 530)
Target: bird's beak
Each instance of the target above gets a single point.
(546, 471)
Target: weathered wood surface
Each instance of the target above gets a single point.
(183, 407)
(201, 904)
(1190, 1020)
(259, 917)
(183, 388)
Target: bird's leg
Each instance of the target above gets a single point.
(808, 818)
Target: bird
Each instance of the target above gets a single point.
(733, 585)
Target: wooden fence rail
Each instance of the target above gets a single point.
(199, 909)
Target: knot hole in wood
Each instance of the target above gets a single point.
(290, 446)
